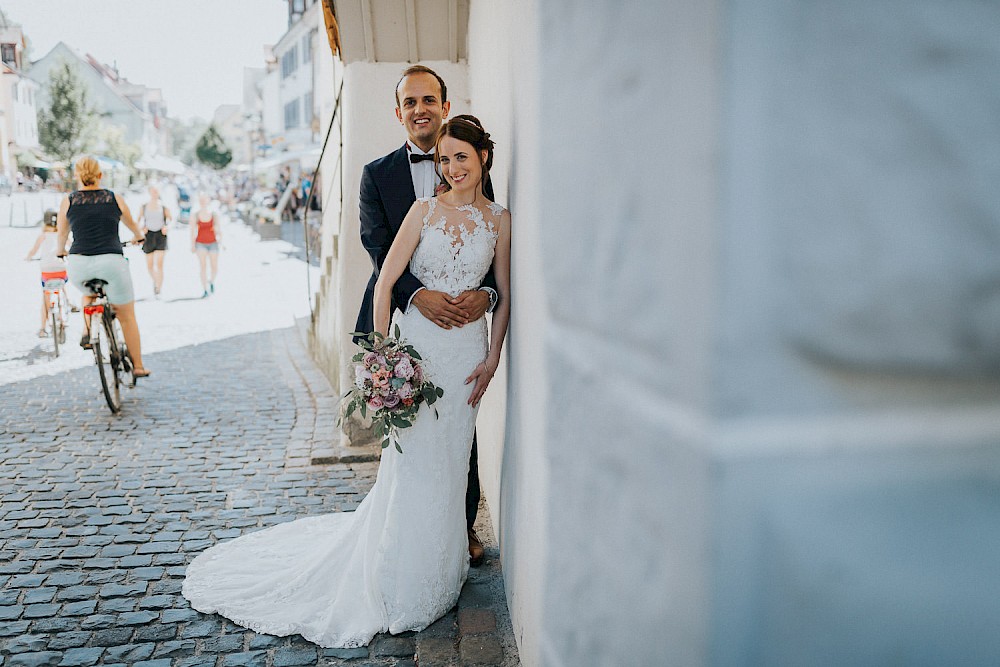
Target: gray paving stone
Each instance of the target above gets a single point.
(179, 615)
(223, 644)
(137, 617)
(123, 590)
(37, 659)
(77, 593)
(26, 644)
(81, 657)
(157, 602)
(115, 636)
(129, 653)
(204, 628)
(265, 641)
(116, 605)
(292, 657)
(386, 645)
(155, 632)
(345, 653)
(39, 595)
(165, 662)
(40, 610)
(83, 608)
(11, 612)
(247, 659)
(196, 661)
(55, 624)
(175, 649)
(65, 640)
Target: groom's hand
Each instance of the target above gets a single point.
(474, 302)
(440, 309)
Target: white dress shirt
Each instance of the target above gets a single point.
(425, 182)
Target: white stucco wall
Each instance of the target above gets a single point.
(513, 466)
(752, 371)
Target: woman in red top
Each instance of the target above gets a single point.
(205, 239)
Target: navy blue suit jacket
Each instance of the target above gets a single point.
(386, 197)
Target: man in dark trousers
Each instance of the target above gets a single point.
(389, 186)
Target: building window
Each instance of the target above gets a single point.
(289, 61)
(307, 109)
(8, 53)
(292, 114)
(307, 47)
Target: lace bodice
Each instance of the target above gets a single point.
(456, 246)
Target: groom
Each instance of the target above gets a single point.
(389, 186)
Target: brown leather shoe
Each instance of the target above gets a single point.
(476, 551)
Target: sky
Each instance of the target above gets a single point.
(194, 50)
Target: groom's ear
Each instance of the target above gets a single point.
(399, 116)
(445, 108)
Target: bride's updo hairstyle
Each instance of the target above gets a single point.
(466, 127)
(87, 170)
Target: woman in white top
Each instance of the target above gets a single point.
(154, 217)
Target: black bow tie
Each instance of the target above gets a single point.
(417, 157)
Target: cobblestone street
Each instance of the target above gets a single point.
(99, 515)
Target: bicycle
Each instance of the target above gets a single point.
(55, 295)
(108, 343)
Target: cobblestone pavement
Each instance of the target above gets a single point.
(99, 515)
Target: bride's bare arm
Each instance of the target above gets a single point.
(395, 263)
(483, 373)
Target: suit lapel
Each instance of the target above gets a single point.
(401, 187)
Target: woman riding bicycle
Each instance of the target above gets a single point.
(93, 214)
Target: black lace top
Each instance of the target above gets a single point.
(93, 218)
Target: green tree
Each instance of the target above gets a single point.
(112, 137)
(212, 150)
(184, 135)
(66, 126)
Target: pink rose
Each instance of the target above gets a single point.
(380, 378)
(404, 369)
(369, 359)
(391, 401)
(375, 402)
(406, 391)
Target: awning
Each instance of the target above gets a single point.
(307, 158)
(161, 163)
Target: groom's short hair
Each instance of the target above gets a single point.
(420, 69)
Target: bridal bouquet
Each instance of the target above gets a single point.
(389, 381)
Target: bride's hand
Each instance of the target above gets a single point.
(482, 375)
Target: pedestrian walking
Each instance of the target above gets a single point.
(205, 240)
(154, 218)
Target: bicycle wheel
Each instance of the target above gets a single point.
(61, 313)
(125, 357)
(56, 324)
(105, 355)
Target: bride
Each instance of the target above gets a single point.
(399, 561)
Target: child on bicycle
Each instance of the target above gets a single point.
(53, 267)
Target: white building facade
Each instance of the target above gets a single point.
(18, 103)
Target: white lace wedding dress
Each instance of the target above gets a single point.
(399, 561)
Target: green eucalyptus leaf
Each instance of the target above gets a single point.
(439, 391)
(398, 448)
